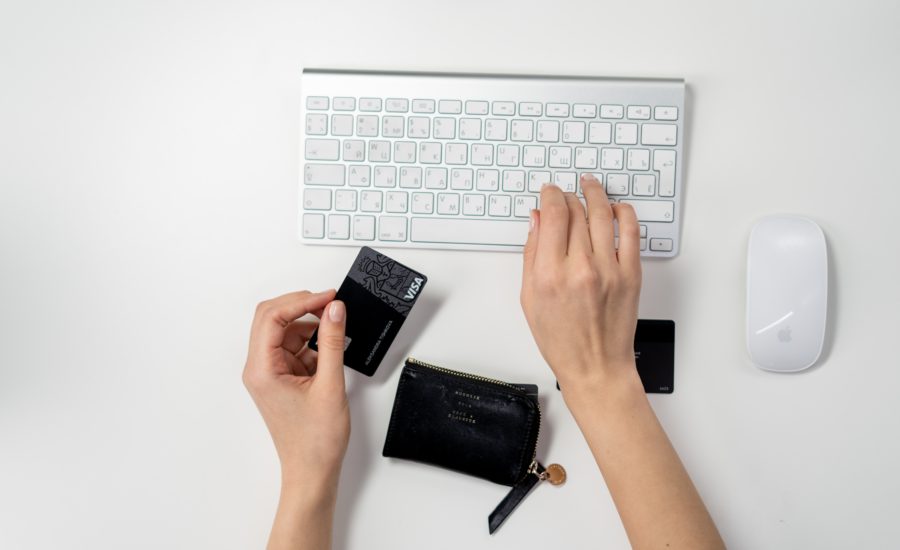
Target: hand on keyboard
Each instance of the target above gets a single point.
(579, 294)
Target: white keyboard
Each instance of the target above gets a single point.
(426, 160)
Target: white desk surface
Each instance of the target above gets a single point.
(148, 172)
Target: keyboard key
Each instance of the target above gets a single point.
(338, 226)
(567, 181)
(317, 103)
(507, 155)
(418, 127)
(524, 205)
(495, 129)
(533, 155)
(559, 110)
(385, 176)
(395, 105)
(450, 107)
(314, 226)
(513, 180)
(476, 107)
(323, 149)
(586, 157)
(612, 111)
(354, 150)
(583, 110)
(367, 125)
(658, 134)
(652, 211)
(358, 175)
(482, 154)
(395, 202)
(665, 113)
(344, 104)
(435, 178)
(639, 159)
(422, 203)
(643, 243)
(503, 108)
(611, 159)
(444, 128)
(345, 200)
(404, 151)
(423, 106)
(323, 174)
(448, 204)
(369, 104)
(548, 131)
(364, 228)
(522, 130)
(316, 124)
(661, 245)
(470, 128)
(626, 134)
(537, 179)
(430, 152)
(639, 112)
(487, 180)
(342, 125)
(643, 185)
(461, 178)
(664, 163)
(317, 199)
(392, 126)
(411, 177)
(643, 230)
(456, 153)
(599, 132)
(379, 151)
(573, 132)
(370, 201)
(392, 228)
(560, 157)
(500, 205)
(469, 231)
(530, 109)
(616, 184)
(473, 204)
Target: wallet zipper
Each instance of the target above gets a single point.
(532, 468)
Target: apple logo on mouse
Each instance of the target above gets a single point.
(784, 335)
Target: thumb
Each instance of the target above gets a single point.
(530, 250)
(330, 363)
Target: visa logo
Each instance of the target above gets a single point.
(413, 288)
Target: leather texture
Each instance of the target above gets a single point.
(515, 496)
(476, 427)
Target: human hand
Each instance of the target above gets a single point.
(580, 295)
(299, 392)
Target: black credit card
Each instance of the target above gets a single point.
(654, 354)
(379, 293)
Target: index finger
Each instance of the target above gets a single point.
(273, 316)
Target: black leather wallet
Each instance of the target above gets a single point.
(471, 424)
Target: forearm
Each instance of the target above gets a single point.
(305, 515)
(658, 504)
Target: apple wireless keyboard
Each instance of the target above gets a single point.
(457, 161)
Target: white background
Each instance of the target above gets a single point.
(148, 180)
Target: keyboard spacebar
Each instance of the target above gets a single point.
(468, 231)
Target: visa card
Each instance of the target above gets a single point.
(379, 293)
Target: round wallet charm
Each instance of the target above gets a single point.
(556, 474)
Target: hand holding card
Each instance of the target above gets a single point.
(379, 294)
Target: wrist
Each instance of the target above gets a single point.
(602, 387)
(311, 487)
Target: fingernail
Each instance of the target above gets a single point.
(531, 220)
(336, 311)
(589, 177)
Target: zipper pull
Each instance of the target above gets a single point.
(554, 473)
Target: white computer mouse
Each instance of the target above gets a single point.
(787, 293)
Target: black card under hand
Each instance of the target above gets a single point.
(379, 293)
(654, 354)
